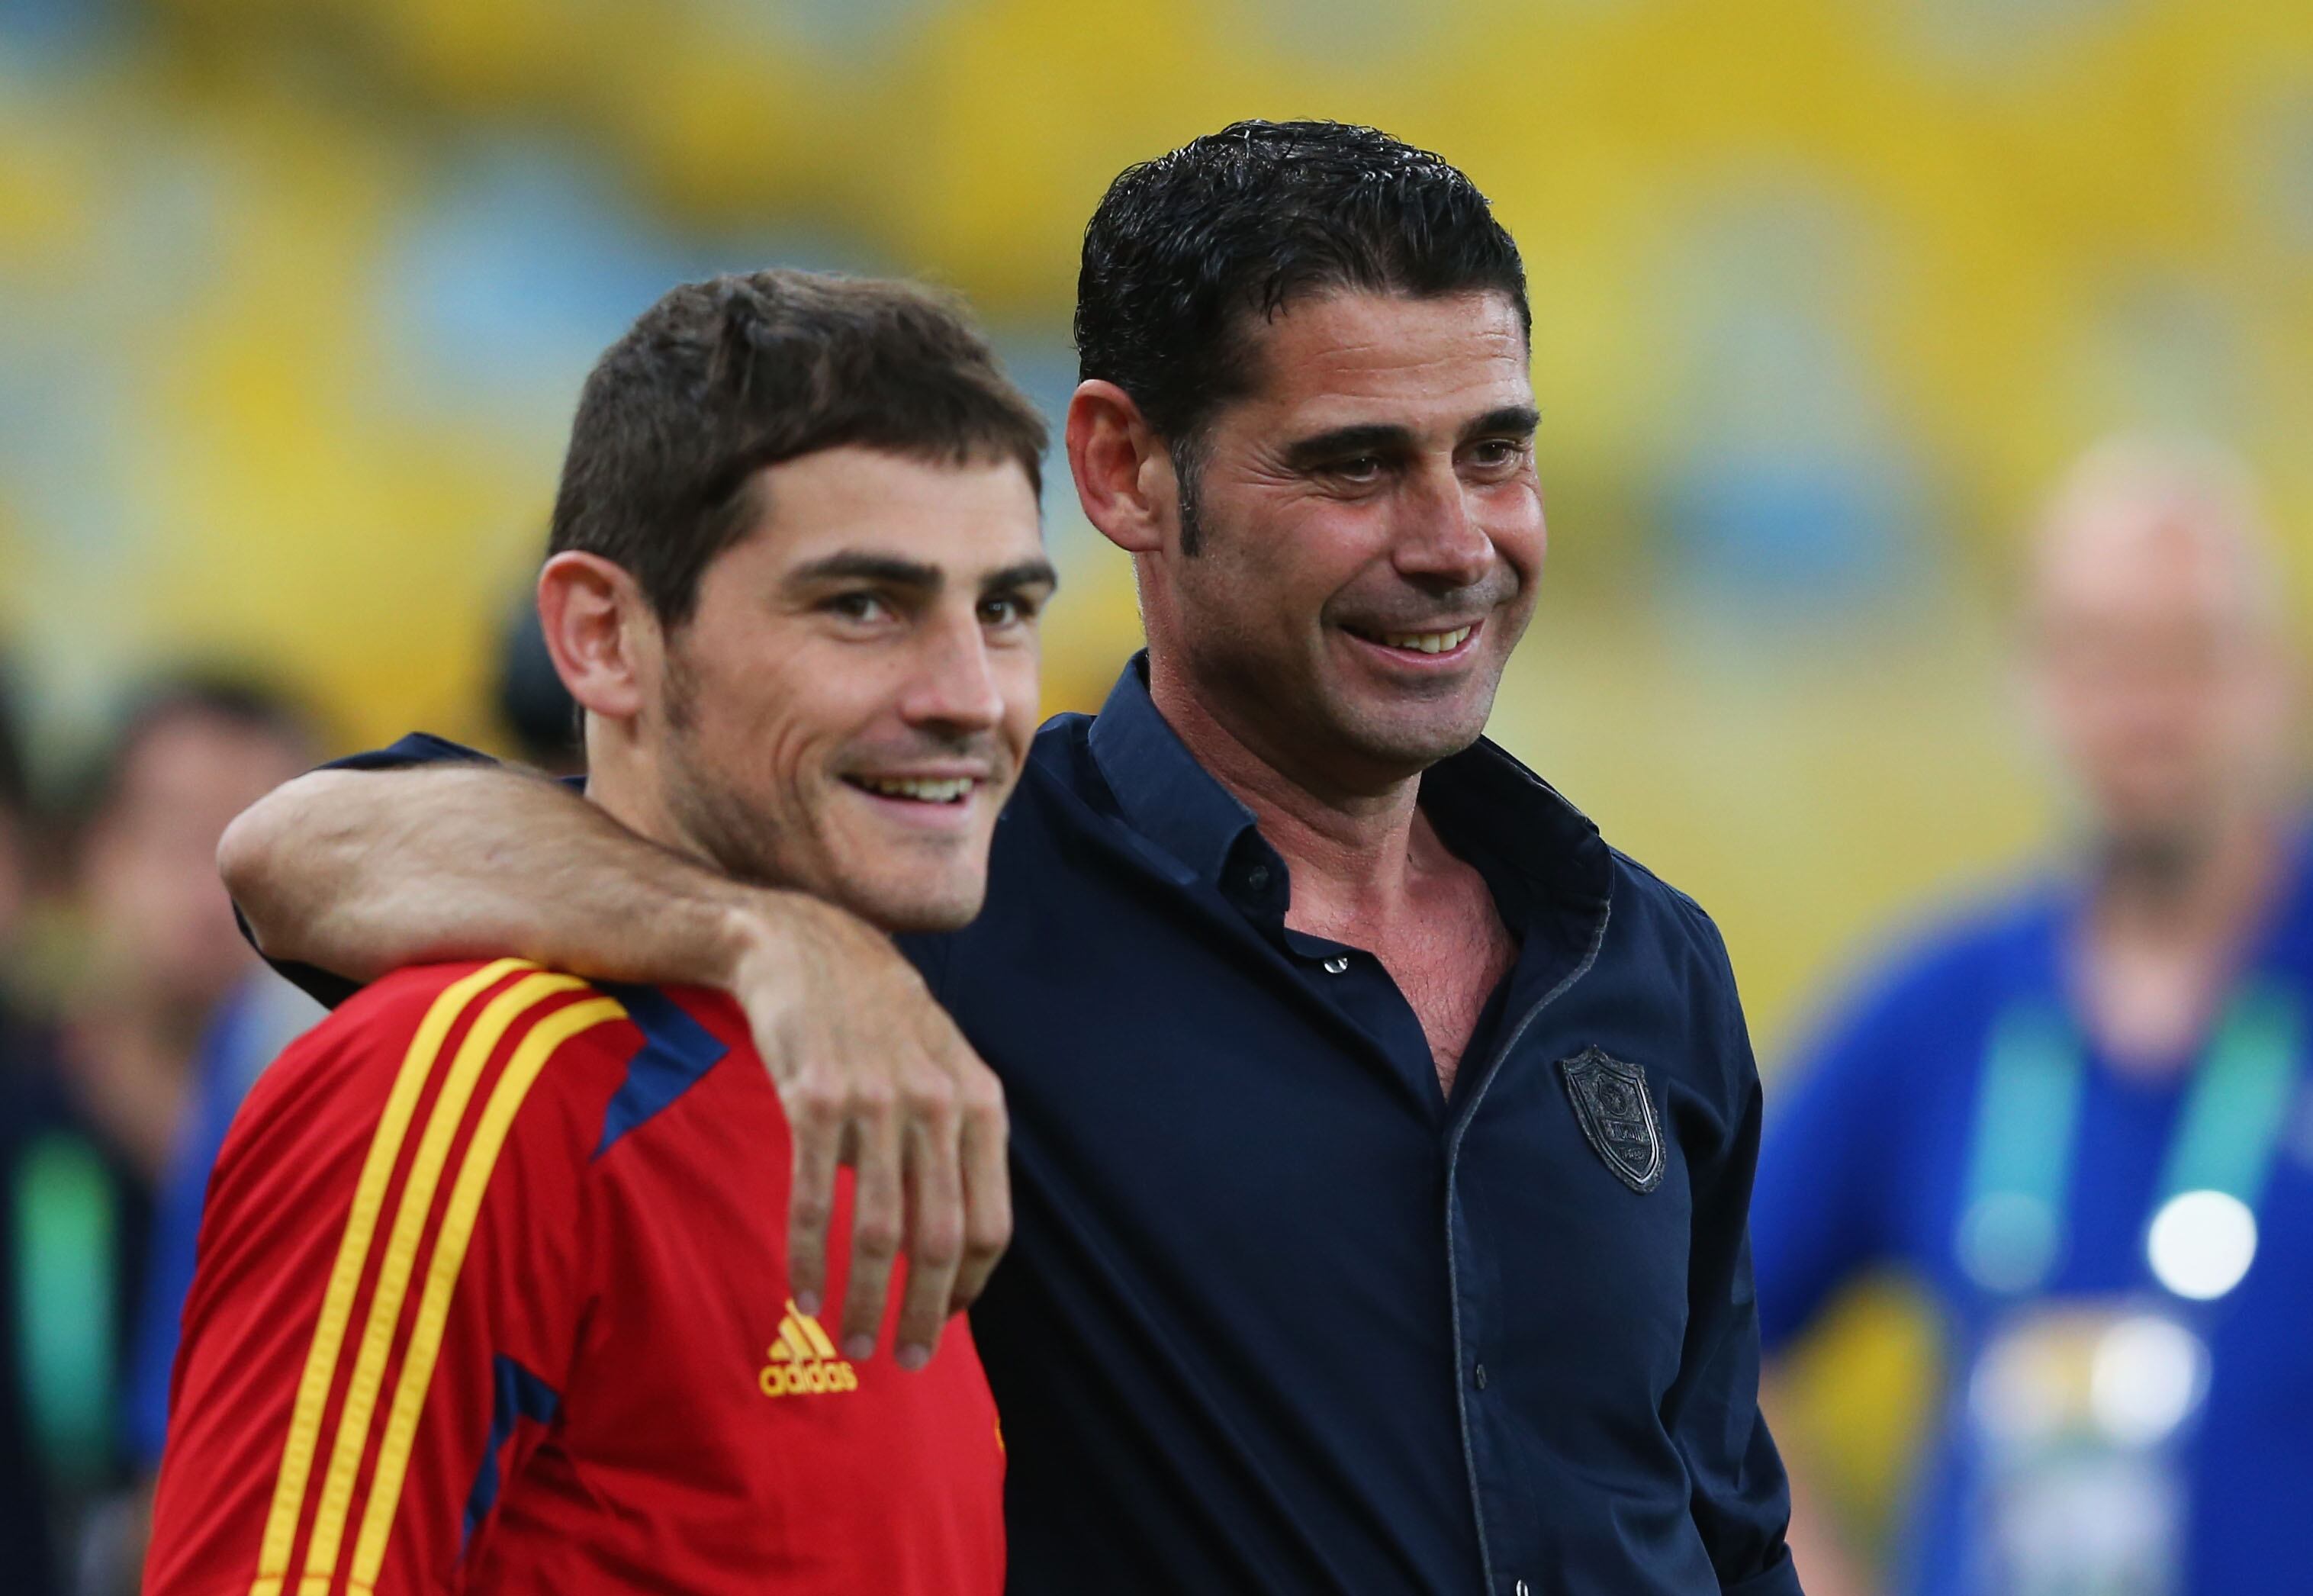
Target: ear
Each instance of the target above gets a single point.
(1124, 470)
(601, 633)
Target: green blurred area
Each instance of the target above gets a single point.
(294, 298)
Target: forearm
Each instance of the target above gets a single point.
(362, 872)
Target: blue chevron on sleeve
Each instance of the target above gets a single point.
(676, 1052)
(518, 1393)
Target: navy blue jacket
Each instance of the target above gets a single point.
(1278, 1315)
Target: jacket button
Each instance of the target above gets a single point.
(1521, 1590)
(1479, 1374)
(1257, 877)
(1337, 964)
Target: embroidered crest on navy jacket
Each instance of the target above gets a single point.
(1618, 1116)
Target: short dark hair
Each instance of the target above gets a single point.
(1185, 248)
(722, 378)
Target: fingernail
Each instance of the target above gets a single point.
(913, 1358)
(808, 1303)
(859, 1348)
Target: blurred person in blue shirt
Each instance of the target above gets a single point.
(2078, 1115)
(263, 1014)
(91, 1105)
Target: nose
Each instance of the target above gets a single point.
(1441, 544)
(952, 685)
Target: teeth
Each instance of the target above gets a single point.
(949, 791)
(1426, 642)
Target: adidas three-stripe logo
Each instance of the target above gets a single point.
(802, 1360)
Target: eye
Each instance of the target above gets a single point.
(859, 605)
(1357, 468)
(1006, 609)
(1495, 452)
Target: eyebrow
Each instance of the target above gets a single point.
(859, 566)
(892, 571)
(1028, 573)
(1376, 438)
(1384, 438)
(1514, 421)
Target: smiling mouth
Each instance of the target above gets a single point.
(948, 790)
(1417, 642)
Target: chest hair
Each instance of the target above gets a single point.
(1447, 963)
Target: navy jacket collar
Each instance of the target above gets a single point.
(1163, 793)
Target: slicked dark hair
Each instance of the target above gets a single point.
(722, 378)
(1186, 251)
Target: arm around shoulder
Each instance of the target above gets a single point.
(361, 872)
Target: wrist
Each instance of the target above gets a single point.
(756, 933)
(783, 940)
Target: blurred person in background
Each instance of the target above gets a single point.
(163, 952)
(2080, 1115)
(254, 1015)
(261, 1016)
(93, 1109)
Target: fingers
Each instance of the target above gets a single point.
(987, 1185)
(877, 1214)
(934, 1221)
(874, 1073)
(817, 1124)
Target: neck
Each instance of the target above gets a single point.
(1367, 870)
(1346, 845)
(623, 781)
(2165, 929)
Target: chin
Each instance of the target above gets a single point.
(1424, 727)
(916, 906)
(1413, 742)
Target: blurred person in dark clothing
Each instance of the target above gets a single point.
(265, 1014)
(261, 1016)
(2080, 1115)
(90, 1107)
